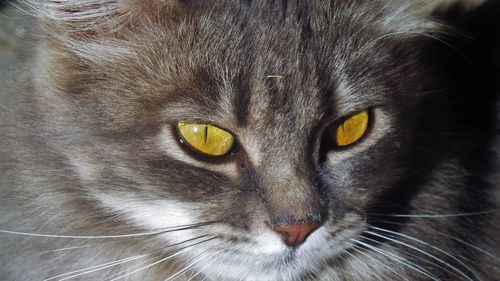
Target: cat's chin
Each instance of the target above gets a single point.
(222, 252)
(264, 256)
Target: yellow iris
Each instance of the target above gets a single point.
(206, 139)
(352, 129)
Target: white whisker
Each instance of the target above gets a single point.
(401, 260)
(137, 265)
(437, 215)
(432, 247)
(77, 247)
(456, 239)
(170, 229)
(95, 268)
(196, 261)
(182, 250)
(368, 268)
(99, 267)
(407, 253)
(355, 248)
(418, 257)
(472, 246)
(202, 270)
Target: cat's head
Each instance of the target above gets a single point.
(306, 108)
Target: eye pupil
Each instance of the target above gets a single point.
(206, 134)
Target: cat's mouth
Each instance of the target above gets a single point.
(265, 256)
(266, 252)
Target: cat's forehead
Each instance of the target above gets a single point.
(281, 64)
(278, 58)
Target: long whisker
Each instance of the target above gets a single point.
(200, 257)
(313, 271)
(95, 268)
(339, 262)
(394, 257)
(414, 256)
(138, 265)
(156, 232)
(436, 215)
(358, 259)
(422, 252)
(356, 248)
(431, 246)
(182, 250)
(202, 269)
(473, 247)
(456, 239)
(78, 247)
(99, 267)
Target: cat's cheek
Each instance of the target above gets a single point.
(153, 215)
(85, 167)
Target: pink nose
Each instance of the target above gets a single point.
(296, 234)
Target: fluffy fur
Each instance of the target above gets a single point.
(95, 184)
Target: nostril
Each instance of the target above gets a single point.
(295, 234)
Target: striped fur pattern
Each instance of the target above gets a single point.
(95, 184)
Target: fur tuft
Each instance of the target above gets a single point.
(81, 15)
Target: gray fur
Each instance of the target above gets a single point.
(88, 147)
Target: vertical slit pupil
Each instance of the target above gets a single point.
(206, 134)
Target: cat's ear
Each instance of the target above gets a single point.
(418, 17)
(98, 31)
(434, 6)
(93, 18)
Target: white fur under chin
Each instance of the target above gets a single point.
(271, 260)
(264, 258)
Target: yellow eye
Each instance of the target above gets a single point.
(352, 129)
(205, 139)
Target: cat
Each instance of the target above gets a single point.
(252, 140)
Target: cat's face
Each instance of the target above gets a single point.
(279, 77)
